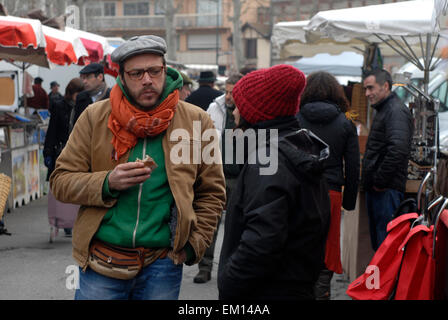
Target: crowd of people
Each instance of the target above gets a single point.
(138, 221)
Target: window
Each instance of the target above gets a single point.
(99, 9)
(442, 94)
(109, 9)
(94, 9)
(159, 7)
(208, 11)
(136, 8)
(202, 41)
(251, 49)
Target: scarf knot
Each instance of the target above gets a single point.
(129, 123)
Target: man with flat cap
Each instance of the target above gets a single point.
(205, 94)
(54, 95)
(95, 87)
(139, 222)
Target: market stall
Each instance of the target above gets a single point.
(410, 29)
(23, 43)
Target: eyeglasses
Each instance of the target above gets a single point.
(138, 74)
(87, 76)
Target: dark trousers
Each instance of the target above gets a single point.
(381, 207)
(207, 261)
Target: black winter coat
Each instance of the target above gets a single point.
(58, 131)
(83, 100)
(276, 225)
(326, 120)
(203, 96)
(385, 161)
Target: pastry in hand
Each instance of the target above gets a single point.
(148, 162)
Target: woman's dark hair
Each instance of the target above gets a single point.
(323, 86)
(75, 85)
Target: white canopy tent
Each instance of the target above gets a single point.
(408, 28)
(291, 39)
(345, 64)
(402, 26)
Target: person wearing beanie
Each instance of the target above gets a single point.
(277, 222)
(145, 210)
(323, 111)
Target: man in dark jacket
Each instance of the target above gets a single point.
(95, 88)
(54, 95)
(385, 161)
(205, 94)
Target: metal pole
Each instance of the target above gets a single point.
(217, 35)
(427, 62)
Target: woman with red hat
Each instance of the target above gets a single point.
(276, 224)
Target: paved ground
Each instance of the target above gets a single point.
(33, 268)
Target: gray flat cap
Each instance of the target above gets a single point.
(139, 45)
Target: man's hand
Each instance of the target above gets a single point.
(127, 175)
(178, 257)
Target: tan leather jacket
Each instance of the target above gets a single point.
(198, 189)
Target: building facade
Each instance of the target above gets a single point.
(202, 31)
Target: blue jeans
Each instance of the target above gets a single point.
(160, 280)
(380, 208)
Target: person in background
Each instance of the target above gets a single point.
(56, 137)
(186, 88)
(221, 112)
(205, 94)
(247, 69)
(40, 98)
(160, 216)
(322, 110)
(54, 95)
(276, 222)
(95, 87)
(388, 148)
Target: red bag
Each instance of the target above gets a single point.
(417, 274)
(385, 263)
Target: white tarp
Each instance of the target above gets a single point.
(335, 31)
(406, 18)
(292, 40)
(345, 64)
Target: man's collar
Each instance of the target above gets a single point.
(382, 102)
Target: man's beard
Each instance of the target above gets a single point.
(231, 107)
(136, 104)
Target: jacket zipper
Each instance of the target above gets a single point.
(140, 191)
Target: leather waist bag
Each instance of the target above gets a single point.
(121, 263)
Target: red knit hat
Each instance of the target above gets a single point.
(269, 93)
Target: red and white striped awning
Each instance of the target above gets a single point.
(63, 48)
(97, 46)
(22, 40)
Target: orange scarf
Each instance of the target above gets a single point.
(129, 123)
